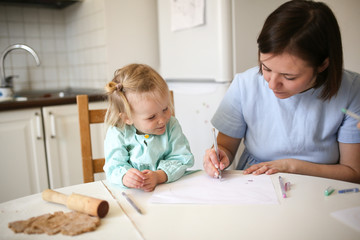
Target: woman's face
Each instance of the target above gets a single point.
(286, 74)
(149, 115)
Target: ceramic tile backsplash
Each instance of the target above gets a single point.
(86, 42)
(71, 45)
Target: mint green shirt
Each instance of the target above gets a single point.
(125, 149)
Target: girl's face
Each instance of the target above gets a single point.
(286, 74)
(149, 115)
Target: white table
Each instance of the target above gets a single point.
(112, 226)
(305, 214)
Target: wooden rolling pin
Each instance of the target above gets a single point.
(77, 202)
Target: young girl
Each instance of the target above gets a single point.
(144, 144)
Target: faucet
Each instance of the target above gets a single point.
(9, 49)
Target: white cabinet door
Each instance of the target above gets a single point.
(62, 145)
(62, 139)
(23, 163)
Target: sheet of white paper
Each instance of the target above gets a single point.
(232, 189)
(187, 14)
(350, 217)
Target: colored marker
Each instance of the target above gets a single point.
(217, 154)
(349, 190)
(328, 191)
(282, 186)
(131, 202)
(351, 114)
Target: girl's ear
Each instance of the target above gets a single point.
(324, 65)
(125, 119)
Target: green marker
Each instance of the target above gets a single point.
(329, 191)
(351, 114)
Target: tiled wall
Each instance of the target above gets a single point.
(86, 44)
(71, 45)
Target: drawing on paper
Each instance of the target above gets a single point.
(202, 189)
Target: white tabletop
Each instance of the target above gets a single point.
(111, 227)
(304, 214)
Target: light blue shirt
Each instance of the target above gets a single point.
(302, 127)
(125, 149)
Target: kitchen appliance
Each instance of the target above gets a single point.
(197, 64)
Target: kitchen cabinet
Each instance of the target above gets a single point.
(40, 148)
(23, 163)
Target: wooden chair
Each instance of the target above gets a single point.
(90, 164)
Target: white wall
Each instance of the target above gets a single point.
(251, 14)
(132, 34)
(347, 13)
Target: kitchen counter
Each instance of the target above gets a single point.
(31, 99)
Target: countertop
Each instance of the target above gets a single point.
(32, 99)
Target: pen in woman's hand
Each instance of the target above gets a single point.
(217, 154)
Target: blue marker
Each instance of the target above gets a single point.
(349, 190)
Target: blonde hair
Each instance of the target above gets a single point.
(133, 78)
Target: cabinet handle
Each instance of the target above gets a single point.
(52, 125)
(38, 126)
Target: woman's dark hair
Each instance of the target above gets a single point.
(308, 30)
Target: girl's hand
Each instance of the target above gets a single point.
(358, 125)
(150, 181)
(271, 167)
(134, 178)
(211, 162)
(153, 178)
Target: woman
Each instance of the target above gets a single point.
(288, 110)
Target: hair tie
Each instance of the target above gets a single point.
(119, 87)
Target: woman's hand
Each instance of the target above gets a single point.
(134, 178)
(271, 167)
(227, 150)
(211, 162)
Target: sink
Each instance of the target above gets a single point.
(54, 93)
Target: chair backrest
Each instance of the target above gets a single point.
(87, 117)
(90, 164)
